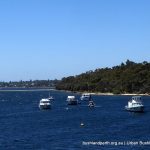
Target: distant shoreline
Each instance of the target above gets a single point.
(127, 94)
(106, 94)
(22, 89)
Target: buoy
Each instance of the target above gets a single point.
(67, 108)
(82, 124)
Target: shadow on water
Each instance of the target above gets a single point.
(137, 113)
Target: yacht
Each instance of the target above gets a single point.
(72, 100)
(85, 96)
(45, 103)
(135, 104)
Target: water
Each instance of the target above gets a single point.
(23, 126)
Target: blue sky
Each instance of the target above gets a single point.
(48, 39)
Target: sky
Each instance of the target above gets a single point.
(51, 39)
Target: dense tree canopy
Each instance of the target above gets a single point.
(129, 77)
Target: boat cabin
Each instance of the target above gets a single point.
(135, 101)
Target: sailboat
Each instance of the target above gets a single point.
(91, 102)
(50, 97)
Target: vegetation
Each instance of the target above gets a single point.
(30, 84)
(129, 77)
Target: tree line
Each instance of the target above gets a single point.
(29, 84)
(128, 77)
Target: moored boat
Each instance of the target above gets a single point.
(45, 104)
(85, 96)
(135, 104)
(50, 97)
(91, 104)
(72, 100)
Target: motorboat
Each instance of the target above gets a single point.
(45, 103)
(72, 100)
(91, 104)
(135, 104)
(85, 96)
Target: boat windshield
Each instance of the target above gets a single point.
(136, 98)
(71, 99)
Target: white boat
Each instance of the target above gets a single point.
(85, 96)
(72, 100)
(45, 103)
(135, 104)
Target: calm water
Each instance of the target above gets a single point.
(23, 126)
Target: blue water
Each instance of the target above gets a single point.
(23, 126)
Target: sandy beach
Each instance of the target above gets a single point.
(107, 94)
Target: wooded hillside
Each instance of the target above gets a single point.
(129, 77)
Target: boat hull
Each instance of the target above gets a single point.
(72, 102)
(84, 98)
(45, 106)
(135, 109)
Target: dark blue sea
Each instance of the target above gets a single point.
(23, 126)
